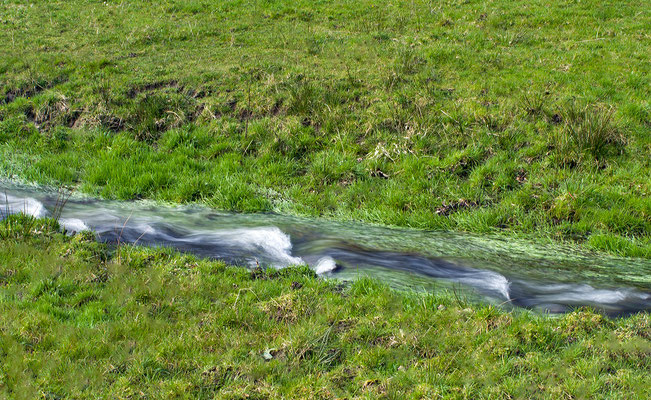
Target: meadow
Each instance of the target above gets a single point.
(80, 319)
(522, 118)
(503, 117)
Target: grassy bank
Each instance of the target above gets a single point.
(524, 117)
(80, 320)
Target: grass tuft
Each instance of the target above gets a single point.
(588, 130)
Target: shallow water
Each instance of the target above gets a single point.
(548, 278)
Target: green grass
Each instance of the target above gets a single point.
(81, 320)
(523, 117)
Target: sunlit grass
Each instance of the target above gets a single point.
(81, 320)
(518, 117)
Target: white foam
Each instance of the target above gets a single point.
(73, 224)
(490, 281)
(584, 292)
(271, 242)
(27, 205)
(324, 265)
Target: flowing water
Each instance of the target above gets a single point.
(544, 277)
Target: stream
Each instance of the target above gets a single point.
(548, 278)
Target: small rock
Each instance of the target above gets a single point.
(267, 355)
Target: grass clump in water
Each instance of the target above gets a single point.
(84, 320)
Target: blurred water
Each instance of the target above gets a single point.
(548, 278)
